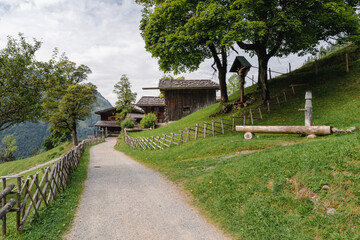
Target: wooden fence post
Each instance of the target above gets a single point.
(196, 131)
(205, 126)
(251, 117)
(3, 232)
(181, 136)
(284, 92)
(293, 89)
(268, 106)
(244, 122)
(18, 203)
(289, 67)
(213, 127)
(233, 123)
(172, 138)
(222, 126)
(260, 113)
(188, 135)
(164, 139)
(277, 99)
(269, 74)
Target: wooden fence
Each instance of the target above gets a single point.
(39, 189)
(212, 128)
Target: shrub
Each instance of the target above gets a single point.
(127, 123)
(148, 120)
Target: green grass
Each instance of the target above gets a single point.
(10, 168)
(276, 191)
(55, 220)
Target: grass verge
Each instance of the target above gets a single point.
(56, 220)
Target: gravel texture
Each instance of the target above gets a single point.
(126, 200)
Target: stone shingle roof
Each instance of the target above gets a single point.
(107, 124)
(187, 84)
(113, 110)
(151, 101)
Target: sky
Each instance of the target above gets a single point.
(105, 36)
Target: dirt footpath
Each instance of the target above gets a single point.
(125, 200)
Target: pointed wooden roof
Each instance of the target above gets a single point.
(239, 61)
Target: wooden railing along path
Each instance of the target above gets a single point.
(39, 189)
(212, 128)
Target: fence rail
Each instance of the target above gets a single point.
(40, 188)
(212, 128)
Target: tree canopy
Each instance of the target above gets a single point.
(67, 100)
(75, 105)
(21, 82)
(125, 97)
(276, 28)
(182, 34)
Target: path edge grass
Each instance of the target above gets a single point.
(56, 220)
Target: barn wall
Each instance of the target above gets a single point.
(181, 103)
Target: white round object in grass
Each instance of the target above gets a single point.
(311, 136)
(248, 135)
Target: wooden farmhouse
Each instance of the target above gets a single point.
(108, 120)
(183, 97)
(153, 105)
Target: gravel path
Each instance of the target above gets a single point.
(125, 200)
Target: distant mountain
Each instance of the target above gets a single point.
(30, 135)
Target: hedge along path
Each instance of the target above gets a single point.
(123, 199)
(212, 128)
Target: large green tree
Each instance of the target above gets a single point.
(182, 34)
(21, 82)
(74, 106)
(277, 28)
(125, 97)
(66, 100)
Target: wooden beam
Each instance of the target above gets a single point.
(317, 130)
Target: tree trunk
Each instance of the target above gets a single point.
(221, 65)
(74, 135)
(262, 78)
(222, 83)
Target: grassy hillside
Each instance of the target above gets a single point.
(10, 168)
(277, 186)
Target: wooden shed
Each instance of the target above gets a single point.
(108, 121)
(183, 97)
(155, 105)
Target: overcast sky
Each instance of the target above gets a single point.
(104, 35)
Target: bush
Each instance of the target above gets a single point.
(127, 123)
(148, 121)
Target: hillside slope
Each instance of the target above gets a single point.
(30, 135)
(277, 186)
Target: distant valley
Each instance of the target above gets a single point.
(30, 135)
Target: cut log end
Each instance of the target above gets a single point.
(311, 136)
(248, 135)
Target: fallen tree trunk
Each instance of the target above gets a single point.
(316, 130)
